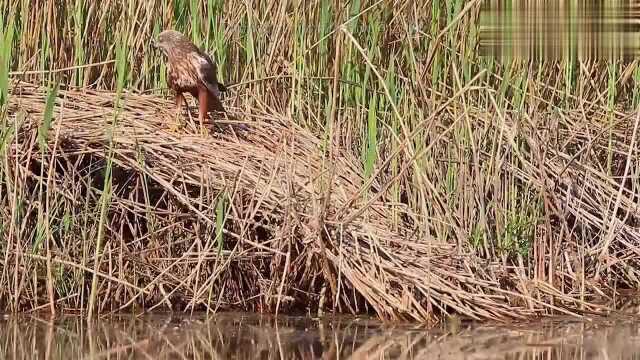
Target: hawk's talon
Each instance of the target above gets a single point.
(175, 128)
(177, 124)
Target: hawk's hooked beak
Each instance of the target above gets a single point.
(154, 43)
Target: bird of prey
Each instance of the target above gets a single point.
(190, 70)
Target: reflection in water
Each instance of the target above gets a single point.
(249, 336)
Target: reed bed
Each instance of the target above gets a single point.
(297, 231)
(370, 162)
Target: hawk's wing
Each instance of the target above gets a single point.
(214, 70)
(206, 70)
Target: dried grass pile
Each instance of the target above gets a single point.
(302, 230)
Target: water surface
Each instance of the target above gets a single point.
(251, 336)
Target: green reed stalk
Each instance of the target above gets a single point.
(372, 138)
(79, 18)
(43, 225)
(196, 15)
(216, 33)
(6, 49)
(105, 197)
(221, 210)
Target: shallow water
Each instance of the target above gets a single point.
(250, 336)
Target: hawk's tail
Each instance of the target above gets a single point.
(213, 96)
(214, 102)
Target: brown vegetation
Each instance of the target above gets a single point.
(282, 188)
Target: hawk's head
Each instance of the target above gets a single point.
(168, 39)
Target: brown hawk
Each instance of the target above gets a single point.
(190, 70)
